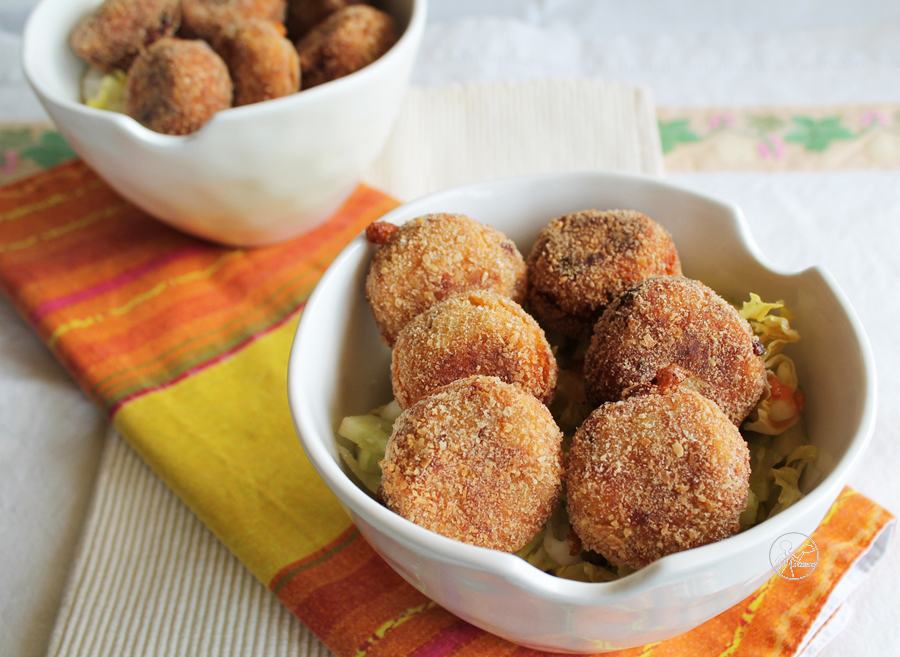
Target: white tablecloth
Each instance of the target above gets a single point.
(710, 53)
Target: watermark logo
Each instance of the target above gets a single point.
(794, 555)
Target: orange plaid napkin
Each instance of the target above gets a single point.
(185, 345)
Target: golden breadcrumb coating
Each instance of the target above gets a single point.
(262, 62)
(344, 42)
(674, 321)
(205, 19)
(656, 474)
(475, 332)
(479, 461)
(110, 37)
(432, 257)
(582, 261)
(176, 85)
(303, 15)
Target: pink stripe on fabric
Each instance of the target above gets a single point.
(45, 308)
(206, 364)
(448, 640)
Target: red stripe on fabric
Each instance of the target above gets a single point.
(204, 365)
(43, 309)
(449, 640)
(353, 602)
(342, 541)
(345, 598)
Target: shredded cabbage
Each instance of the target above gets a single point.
(774, 431)
(779, 449)
(368, 435)
(782, 400)
(773, 331)
(104, 91)
(551, 550)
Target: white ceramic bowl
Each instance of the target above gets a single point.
(256, 174)
(339, 367)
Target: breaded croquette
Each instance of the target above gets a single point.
(110, 37)
(346, 41)
(432, 257)
(303, 15)
(475, 332)
(176, 85)
(262, 62)
(205, 19)
(656, 474)
(675, 321)
(478, 460)
(582, 261)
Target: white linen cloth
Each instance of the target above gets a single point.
(710, 52)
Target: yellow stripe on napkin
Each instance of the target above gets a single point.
(224, 441)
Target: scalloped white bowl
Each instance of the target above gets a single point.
(253, 175)
(339, 367)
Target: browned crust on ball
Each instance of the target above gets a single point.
(475, 332)
(582, 261)
(675, 321)
(263, 63)
(434, 256)
(176, 85)
(205, 19)
(346, 41)
(656, 474)
(479, 461)
(303, 15)
(111, 36)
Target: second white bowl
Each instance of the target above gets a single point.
(253, 175)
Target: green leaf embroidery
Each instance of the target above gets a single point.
(13, 139)
(817, 135)
(674, 132)
(50, 151)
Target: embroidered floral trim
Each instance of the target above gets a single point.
(29, 148)
(780, 138)
(692, 139)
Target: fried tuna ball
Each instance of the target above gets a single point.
(582, 261)
(675, 322)
(110, 37)
(176, 85)
(479, 461)
(303, 15)
(347, 40)
(263, 64)
(476, 332)
(205, 19)
(656, 474)
(432, 257)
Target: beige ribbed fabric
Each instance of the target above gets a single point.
(149, 578)
(467, 133)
